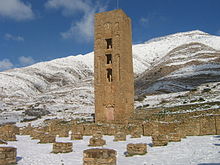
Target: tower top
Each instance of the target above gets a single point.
(112, 13)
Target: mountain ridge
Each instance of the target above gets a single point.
(64, 86)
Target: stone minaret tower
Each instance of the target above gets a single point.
(114, 83)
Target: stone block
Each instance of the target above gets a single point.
(160, 140)
(8, 132)
(148, 128)
(120, 136)
(36, 134)
(207, 125)
(76, 136)
(94, 141)
(193, 127)
(26, 130)
(47, 138)
(135, 130)
(62, 147)
(136, 149)
(98, 156)
(8, 155)
(217, 123)
(174, 137)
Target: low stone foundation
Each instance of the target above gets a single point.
(8, 155)
(207, 125)
(36, 134)
(135, 130)
(174, 137)
(63, 133)
(136, 133)
(59, 127)
(160, 140)
(47, 138)
(76, 136)
(136, 149)
(148, 128)
(120, 136)
(8, 136)
(62, 147)
(26, 130)
(96, 142)
(99, 157)
(8, 132)
(217, 121)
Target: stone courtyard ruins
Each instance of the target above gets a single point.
(114, 107)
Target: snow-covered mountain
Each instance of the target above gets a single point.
(64, 87)
(184, 68)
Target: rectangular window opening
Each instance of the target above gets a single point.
(109, 43)
(109, 58)
(109, 75)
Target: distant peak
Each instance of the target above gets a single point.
(195, 32)
(179, 34)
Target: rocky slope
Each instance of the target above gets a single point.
(64, 87)
(184, 68)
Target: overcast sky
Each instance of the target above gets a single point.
(40, 30)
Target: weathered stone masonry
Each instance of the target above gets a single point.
(114, 83)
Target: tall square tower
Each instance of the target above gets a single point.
(114, 82)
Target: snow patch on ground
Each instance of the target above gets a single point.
(193, 150)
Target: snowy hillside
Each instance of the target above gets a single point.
(64, 87)
(183, 68)
(153, 50)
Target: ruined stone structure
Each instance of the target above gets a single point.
(8, 155)
(120, 136)
(160, 140)
(35, 134)
(76, 136)
(136, 132)
(114, 83)
(174, 137)
(62, 147)
(8, 132)
(98, 156)
(47, 138)
(97, 140)
(136, 149)
(59, 127)
(26, 130)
